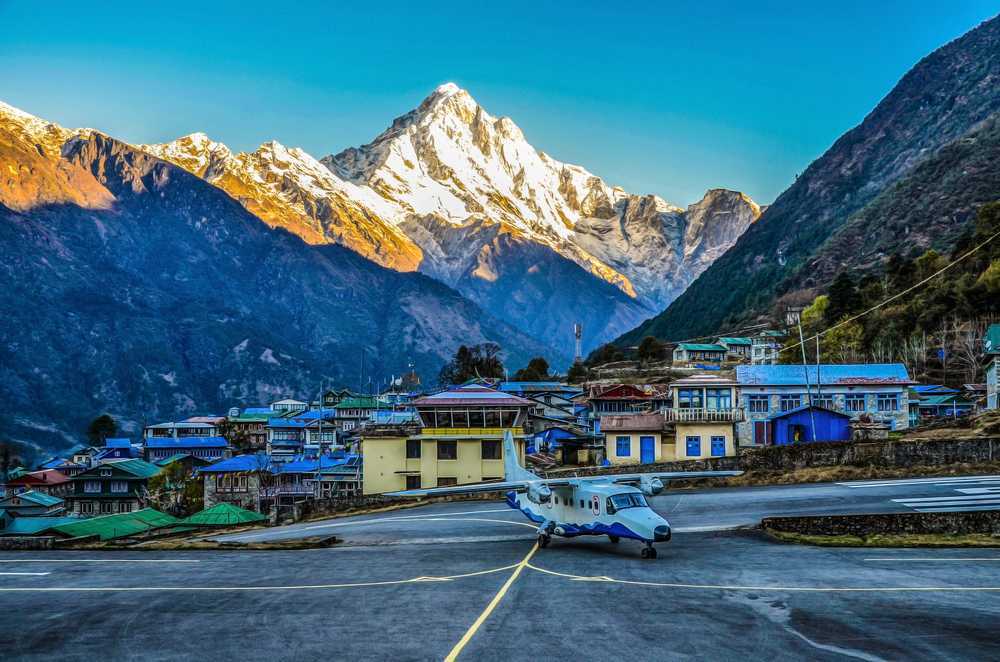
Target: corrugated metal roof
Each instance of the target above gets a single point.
(118, 442)
(30, 526)
(844, 374)
(735, 341)
(136, 467)
(252, 411)
(817, 408)
(122, 525)
(239, 463)
(701, 347)
(39, 498)
(471, 394)
(186, 442)
(170, 460)
(223, 514)
(359, 403)
(635, 423)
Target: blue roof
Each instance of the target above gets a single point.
(54, 463)
(118, 442)
(518, 387)
(848, 374)
(39, 498)
(308, 465)
(806, 407)
(933, 388)
(186, 442)
(296, 422)
(258, 410)
(239, 463)
(29, 526)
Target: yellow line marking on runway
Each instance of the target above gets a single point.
(794, 589)
(453, 655)
(390, 582)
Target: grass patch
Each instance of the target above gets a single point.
(889, 540)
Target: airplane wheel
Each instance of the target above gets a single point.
(648, 553)
(543, 541)
(614, 539)
(652, 553)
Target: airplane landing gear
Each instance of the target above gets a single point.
(614, 539)
(648, 552)
(543, 540)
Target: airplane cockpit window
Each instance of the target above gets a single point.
(620, 501)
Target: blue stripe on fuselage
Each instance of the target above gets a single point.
(573, 530)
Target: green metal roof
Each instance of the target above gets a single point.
(138, 468)
(358, 403)
(223, 514)
(170, 460)
(30, 526)
(109, 527)
(700, 347)
(735, 341)
(991, 343)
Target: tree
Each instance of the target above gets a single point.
(537, 370)
(478, 361)
(238, 439)
(577, 373)
(605, 354)
(843, 296)
(651, 349)
(101, 428)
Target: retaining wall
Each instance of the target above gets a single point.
(25, 543)
(985, 522)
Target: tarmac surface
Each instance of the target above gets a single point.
(464, 579)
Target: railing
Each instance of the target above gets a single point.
(733, 415)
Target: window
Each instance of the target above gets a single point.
(92, 486)
(412, 449)
(446, 481)
(693, 446)
(824, 401)
(105, 473)
(791, 401)
(491, 449)
(630, 500)
(413, 482)
(887, 402)
(125, 507)
(855, 402)
(689, 398)
(119, 486)
(623, 446)
(719, 398)
(758, 404)
(107, 507)
(86, 507)
(718, 446)
(581, 503)
(448, 450)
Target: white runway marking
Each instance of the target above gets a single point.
(296, 587)
(99, 561)
(22, 574)
(790, 589)
(957, 558)
(922, 481)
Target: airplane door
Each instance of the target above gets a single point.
(647, 450)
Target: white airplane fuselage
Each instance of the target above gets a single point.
(591, 508)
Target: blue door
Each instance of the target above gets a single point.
(718, 446)
(647, 450)
(693, 446)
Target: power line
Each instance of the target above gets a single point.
(897, 295)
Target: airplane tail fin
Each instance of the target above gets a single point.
(511, 465)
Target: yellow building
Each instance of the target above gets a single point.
(460, 440)
(704, 413)
(635, 439)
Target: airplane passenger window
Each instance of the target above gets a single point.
(581, 503)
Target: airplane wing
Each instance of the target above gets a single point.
(474, 488)
(665, 476)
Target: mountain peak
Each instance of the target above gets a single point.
(447, 89)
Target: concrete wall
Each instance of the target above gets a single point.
(19, 543)
(986, 522)
(247, 499)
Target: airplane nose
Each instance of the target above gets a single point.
(661, 533)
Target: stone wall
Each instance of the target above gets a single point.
(984, 522)
(21, 543)
(908, 453)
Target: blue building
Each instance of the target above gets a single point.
(205, 448)
(878, 390)
(808, 424)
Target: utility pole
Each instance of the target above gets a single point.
(794, 315)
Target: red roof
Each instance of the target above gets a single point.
(46, 477)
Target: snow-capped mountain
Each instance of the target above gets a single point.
(460, 195)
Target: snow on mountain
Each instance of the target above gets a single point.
(288, 188)
(451, 161)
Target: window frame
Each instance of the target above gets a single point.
(413, 444)
(627, 440)
(886, 398)
(851, 399)
(447, 443)
(787, 398)
(754, 402)
(494, 444)
(688, 440)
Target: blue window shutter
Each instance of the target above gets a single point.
(623, 446)
(693, 446)
(718, 446)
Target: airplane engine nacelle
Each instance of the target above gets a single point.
(539, 493)
(650, 485)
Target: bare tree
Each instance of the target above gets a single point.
(968, 346)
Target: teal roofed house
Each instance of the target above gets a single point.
(687, 352)
(737, 347)
(991, 346)
(118, 486)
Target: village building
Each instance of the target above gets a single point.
(119, 486)
(765, 347)
(567, 444)
(47, 481)
(636, 439)
(237, 480)
(188, 428)
(554, 401)
(118, 448)
(615, 399)
(460, 441)
(305, 432)
(32, 504)
(991, 347)
(704, 412)
(63, 466)
(352, 412)
(808, 424)
(932, 401)
(737, 348)
(206, 448)
(250, 424)
(289, 405)
(687, 353)
(879, 390)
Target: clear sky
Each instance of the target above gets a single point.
(660, 97)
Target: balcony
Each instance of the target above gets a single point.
(734, 415)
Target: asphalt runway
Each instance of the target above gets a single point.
(465, 579)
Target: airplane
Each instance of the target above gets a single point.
(612, 505)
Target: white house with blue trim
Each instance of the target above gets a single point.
(880, 390)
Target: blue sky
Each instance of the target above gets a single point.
(661, 97)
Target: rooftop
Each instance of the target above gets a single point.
(136, 467)
(842, 374)
(239, 463)
(703, 380)
(817, 408)
(38, 498)
(700, 347)
(223, 514)
(471, 394)
(735, 341)
(109, 527)
(118, 442)
(636, 423)
(186, 442)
